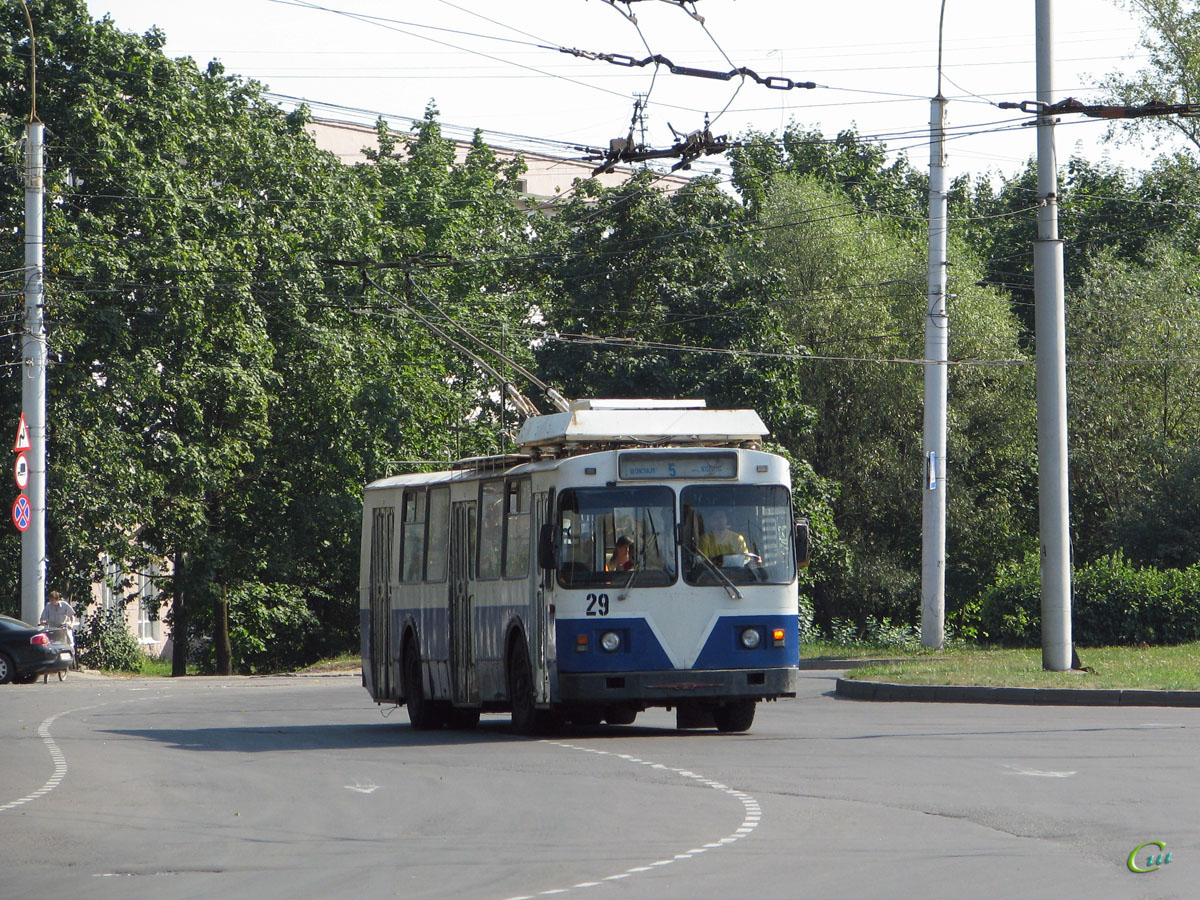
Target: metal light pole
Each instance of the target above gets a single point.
(1050, 336)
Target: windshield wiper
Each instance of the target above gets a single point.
(624, 595)
(730, 587)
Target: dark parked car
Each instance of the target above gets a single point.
(27, 652)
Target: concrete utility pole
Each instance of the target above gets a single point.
(33, 379)
(1050, 336)
(937, 345)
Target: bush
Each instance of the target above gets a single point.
(103, 641)
(1113, 603)
(269, 627)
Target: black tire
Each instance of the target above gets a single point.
(425, 714)
(620, 715)
(737, 715)
(527, 719)
(7, 669)
(586, 717)
(461, 719)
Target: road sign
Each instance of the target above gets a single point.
(22, 513)
(21, 470)
(23, 442)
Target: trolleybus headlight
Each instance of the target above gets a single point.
(610, 641)
(751, 638)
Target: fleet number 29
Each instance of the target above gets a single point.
(597, 604)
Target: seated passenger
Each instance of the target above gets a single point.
(622, 556)
(719, 540)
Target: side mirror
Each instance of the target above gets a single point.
(545, 556)
(803, 543)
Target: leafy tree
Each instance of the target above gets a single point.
(850, 291)
(646, 298)
(1132, 333)
(222, 388)
(858, 168)
(1171, 36)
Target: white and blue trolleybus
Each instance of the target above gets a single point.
(633, 554)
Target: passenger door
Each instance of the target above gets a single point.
(380, 671)
(542, 646)
(464, 687)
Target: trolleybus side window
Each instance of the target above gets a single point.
(593, 520)
(491, 528)
(413, 539)
(743, 530)
(516, 530)
(439, 534)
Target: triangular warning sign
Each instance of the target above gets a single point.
(22, 437)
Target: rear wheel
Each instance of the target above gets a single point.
(735, 716)
(7, 669)
(422, 712)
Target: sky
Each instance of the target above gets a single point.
(496, 65)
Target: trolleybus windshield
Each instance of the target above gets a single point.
(743, 530)
(608, 536)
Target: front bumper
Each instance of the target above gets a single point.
(669, 687)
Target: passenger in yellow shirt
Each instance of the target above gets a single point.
(718, 540)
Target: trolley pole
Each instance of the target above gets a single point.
(1050, 337)
(33, 379)
(937, 342)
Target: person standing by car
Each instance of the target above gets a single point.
(59, 616)
(58, 612)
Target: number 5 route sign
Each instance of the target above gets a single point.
(22, 513)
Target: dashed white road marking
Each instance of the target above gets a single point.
(750, 820)
(1021, 770)
(56, 756)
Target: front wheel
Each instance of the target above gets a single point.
(526, 717)
(422, 712)
(737, 715)
(7, 669)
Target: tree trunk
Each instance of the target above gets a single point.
(179, 623)
(223, 648)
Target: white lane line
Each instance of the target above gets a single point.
(56, 756)
(1037, 773)
(750, 820)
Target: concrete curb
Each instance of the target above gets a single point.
(954, 693)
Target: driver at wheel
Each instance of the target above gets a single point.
(719, 540)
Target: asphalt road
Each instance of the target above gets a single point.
(299, 787)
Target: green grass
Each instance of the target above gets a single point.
(161, 668)
(1111, 668)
